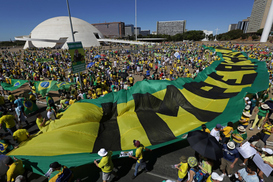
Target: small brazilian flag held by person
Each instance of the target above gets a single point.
(15, 84)
(43, 87)
(29, 106)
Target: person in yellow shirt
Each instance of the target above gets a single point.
(15, 168)
(20, 135)
(11, 97)
(244, 121)
(182, 168)
(227, 132)
(267, 130)
(204, 128)
(105, 164)
(139, 157)
(40, 121)
(9, 121)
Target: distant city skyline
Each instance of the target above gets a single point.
(21, 17)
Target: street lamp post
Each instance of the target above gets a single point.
(70, 21)
(136, 19)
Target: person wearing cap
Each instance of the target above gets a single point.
(227, 132)
(216, 132)
(192, 161)
(139, 157)
(182, 168)
(229, 159)
(262, 115)
(15, 168)
(244, 121)
(248, 174)
(58, 172)
(106, 165)
(238, 136)
(267, 156)
(214, 177)
(267, 130)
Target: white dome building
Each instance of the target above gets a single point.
(56, 32)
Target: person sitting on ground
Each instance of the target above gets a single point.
(57, 173)
(20, 135)
(248, 174)
(238, 136)
(204, 128)
(182, 168)
(216, 132)
(40, 121)
(192, 161)
(227, 132)
(229, 159)
(15, 168)
(267, 156)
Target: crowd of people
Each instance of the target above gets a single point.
(110, 70)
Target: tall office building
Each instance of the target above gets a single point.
(111, 29)
(258, 15)
(171, 27)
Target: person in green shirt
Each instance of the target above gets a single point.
(50, 102)
(105, 164)
(262, 115)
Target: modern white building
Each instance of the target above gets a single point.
(56, 32)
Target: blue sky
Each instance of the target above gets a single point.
(20, 17)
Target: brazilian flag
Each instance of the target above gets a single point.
(62, 86)
(29, 106)
(155, 112)
(43, 87)
(15, 84)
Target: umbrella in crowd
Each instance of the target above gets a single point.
(90, 64)
(205, 144)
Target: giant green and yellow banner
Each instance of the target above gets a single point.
(156, 112)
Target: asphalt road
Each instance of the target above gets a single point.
(159, 162)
